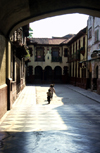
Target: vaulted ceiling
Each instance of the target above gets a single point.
(16, 13)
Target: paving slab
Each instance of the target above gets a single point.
(87, 93)
(69, 124)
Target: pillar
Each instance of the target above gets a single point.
(43, 76)
(8, 74)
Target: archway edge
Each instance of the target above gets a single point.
(14, 14)
(47, 15)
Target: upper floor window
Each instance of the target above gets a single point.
(96, 35)
(55, 55)
(65, 52)
(79, 44)
(39, 54)
(83, 41)
(55, 52)
(73, 48)
(90, 33)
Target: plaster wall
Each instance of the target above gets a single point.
(48, 62)
(2, 60)
(82, 57)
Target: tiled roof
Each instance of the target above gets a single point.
(39, 40)
(67, 40)
(50, 41)
(56, 41)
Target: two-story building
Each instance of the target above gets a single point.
(76, 59)
(49, 58)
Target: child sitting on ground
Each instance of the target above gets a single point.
(49, 95)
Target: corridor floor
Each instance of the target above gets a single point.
(69, 124)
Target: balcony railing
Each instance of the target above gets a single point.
(82, 50)
(57, 59)
(74, 57)
(17, 36)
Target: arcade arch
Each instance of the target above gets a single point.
(48, 74)
(57, 74)
(38, 73)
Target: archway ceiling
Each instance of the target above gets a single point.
(16, 13)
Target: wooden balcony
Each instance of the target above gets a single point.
(74, 57)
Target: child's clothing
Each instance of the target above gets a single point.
(48, 96)
(52, 90)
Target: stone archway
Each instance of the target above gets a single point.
(15, 14)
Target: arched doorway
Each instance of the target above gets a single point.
(38, 74)
(96, 77)
(97, 72)
(57, 74)
(48, 74)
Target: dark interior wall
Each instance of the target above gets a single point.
(14, 14)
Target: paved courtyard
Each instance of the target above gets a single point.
(69, 124)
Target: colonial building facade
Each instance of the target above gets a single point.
(77, 55)
(48, 61)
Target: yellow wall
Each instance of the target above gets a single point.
(2, 60)
(82, 58)
(48, 61)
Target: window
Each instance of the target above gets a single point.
(90, 33)
(97, 72)
(96, 35)
(65, 70)
(84, 73)
(79, 44)
(73, 48)
(39, 54)
(83, 41)
(55, 55)
(65, 52)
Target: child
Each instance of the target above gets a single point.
(49, 96)
(52, 89)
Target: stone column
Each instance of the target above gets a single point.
(8, 75)
(8, 59)
(52, 76)
(43, 76)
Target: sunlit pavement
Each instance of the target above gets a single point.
(69, 124)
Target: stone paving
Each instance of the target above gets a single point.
(69, 124)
